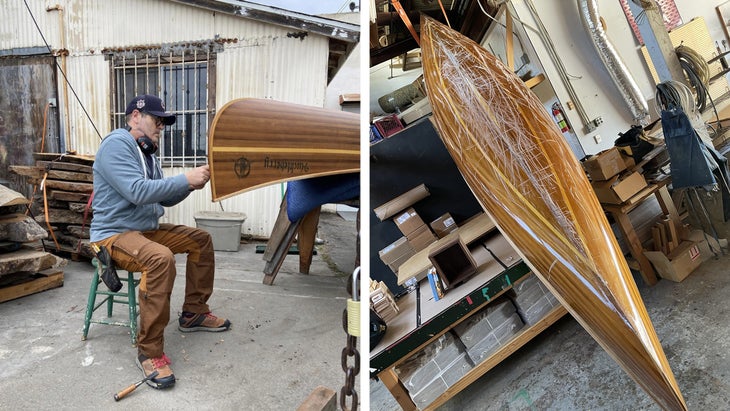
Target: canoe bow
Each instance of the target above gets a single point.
(522, 171)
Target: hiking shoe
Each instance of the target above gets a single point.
(165, 378)
(190, 322)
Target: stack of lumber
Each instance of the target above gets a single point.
(667, 234)
(64, 183)
(23, 270)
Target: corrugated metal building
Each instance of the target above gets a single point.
(68, 69)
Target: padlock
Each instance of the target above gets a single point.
(353, 306)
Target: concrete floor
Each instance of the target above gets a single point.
(285, 341)
(565, 369)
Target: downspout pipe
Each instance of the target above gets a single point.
(588, 10)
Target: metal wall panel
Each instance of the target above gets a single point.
(85, 26)
(259, 60)
(89, 118)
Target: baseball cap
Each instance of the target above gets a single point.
(147, 103)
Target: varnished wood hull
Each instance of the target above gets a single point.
(256, 142)
(522, 171)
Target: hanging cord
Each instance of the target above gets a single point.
(58, 66)
(673, 94)
(45, 209)
(697, 71)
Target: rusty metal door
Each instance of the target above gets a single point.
(28, 106)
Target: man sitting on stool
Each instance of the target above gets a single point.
(129, 195)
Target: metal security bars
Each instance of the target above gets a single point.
(181, 76)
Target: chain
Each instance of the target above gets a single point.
(351, 370)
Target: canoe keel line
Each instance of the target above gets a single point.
(518, 165)
(257, 142)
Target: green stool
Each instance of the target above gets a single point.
(127, 295)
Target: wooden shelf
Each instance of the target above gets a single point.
(522, 338)
(532, 82)
(391, 381)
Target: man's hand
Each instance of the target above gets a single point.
(198, 177)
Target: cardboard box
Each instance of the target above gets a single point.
(421, 238)
(453, 262)
(679, 263)
(408, 221)
(443, 225)
(618, 189)
(500, 336)
(395, 265)
(533, 299)
(396, 250)
(478, 326)
(419, 109)
(605, 164)
(708, 245)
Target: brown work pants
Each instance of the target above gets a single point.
(152, 254)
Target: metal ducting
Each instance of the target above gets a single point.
(619, 73)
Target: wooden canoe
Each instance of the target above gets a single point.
(257, 142)
(525, 176)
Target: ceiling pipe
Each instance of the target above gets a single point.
(619, 73)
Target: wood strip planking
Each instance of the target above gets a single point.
(525, 176)
(257, 142)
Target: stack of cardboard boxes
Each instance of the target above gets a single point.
(532, 299)
(490, 328)
(443, 225)
(417, 235)
(431, 371)
(611, 181)
(382, 301)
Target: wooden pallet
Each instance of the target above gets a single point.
(18, 285)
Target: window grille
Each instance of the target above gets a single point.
(182, 76)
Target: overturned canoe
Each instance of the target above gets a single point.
(525, 176)
(253, 143)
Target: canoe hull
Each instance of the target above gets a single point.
(253, 143)
(525, 176)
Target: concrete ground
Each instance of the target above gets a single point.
(285, 341)
(565, 369)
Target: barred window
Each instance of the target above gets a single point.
(182, 76)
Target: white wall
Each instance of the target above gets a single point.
(590, 79)
(347, 79)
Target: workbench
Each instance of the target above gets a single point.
(620, 214)
(423, 320)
